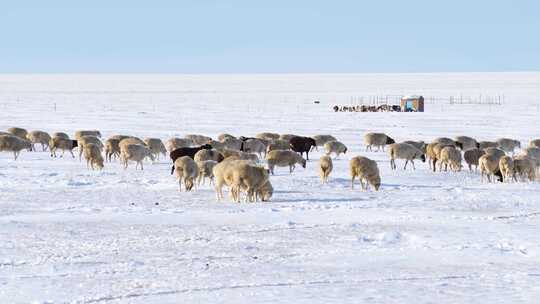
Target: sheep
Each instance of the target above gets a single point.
(233, 144)
(245, 176)
(204, 155)
(19, 132)
(535, 143)
(321, 139)
(284, 158)
(14, 144)
(377, 139)
(219, 173)
(302, 144)
(506, 165)
(447, 141)
(60, 134)
(8, 134)
(420, 145)
(433, 151)
(92, 154)
(132, 140)
(489, 165)
(227, 153)
(404, 151)
(88, 139)
(206, 170)
(525, 167)
(467, 143)
(508, 144)
(534, 154)
(112, 148)
(335, 147)
(325, 168)
(39, 137)
(135, 152)
(156, 146)
(471, 157)
(495, 152)
(249, 156)
(62, 143)
(487, 144)
(198, 139)
(119, 137)
(265, 191)
(287, 137)
(187, 171)
(80, 133)
(268, 136)
(223, 136)
(187, 151)
(254, 146)
(366, 170)
(176, 143)
(278, 145)
(450, 156)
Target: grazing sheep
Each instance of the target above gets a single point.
(198, 139)
(227, 153)
(177, 143)
(284, 158)
(206, 170)
(420, 145)
(506, 165)
(88, 139)
(471, 157)
(265, 191)
(223, 136)
(92, 154)
(63, 144)
(136, 153)
(187, 151)
(366, 170)
(233, 144)
(186, 172)
(287, 137)
(525, 167)
(278, 145)
(322, 139)
(112, 148)
(467, 143)
(335, 147)
(377, 139)
(205, 154)
(325, 168)
(245, 176)
(404, 151)
(446, 141)
(249, 156)
(487, 144)
(534, 154)
(254, 146)
(14, 144)
(268, 136)
(120, 137)
(495, 152)
(302, 144)
(39, 137)
(489, 165)
(535, 143)
(60, 134)
(156, 146)
(450, 156)
(132, 140)
(508, 144)
(79, 134)
(220, 171)
(433, 151)
(19, 132)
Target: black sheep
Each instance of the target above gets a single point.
(187, 151)
(302, 144)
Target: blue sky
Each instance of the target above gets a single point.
(268, 36)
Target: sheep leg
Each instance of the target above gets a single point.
(364, 186)
(434, 164)
(405, 167)
(142, 168)
(15, 154)
(412, 162)
(352, 182)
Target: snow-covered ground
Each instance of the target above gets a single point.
(124, 236)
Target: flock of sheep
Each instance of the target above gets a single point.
(235, 161)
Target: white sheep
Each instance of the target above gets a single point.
(534, 154)
(404, 151)
(176, 143)
(19, 132)
(134, 152)
(208, 154)
(467, 143)
(487, 144)
(198, 139)
(219, 172)
(156, 146)
(92, 154)
(255, 146)
(232, 144)
(60, 134)
(265, 191)
(223, 136)
(88, 139)
(112, 148)
(186, 172)
(335, 147)
(489, 166)
(80, 133)
(535, 143)
(366, 170)
(206, 170)
(245, 176)
(120, 137)
(63, 144)
(287, 137)
(508, 144)
(420, 145)
(506, 165)
(39, 137)
(377, 139)
(268, 136)
(284, 158)
(321, 139)
(325, 168)
(14, 144)
(450, 156)
(278, 145)
(495, 152)
(471, 157)
(525, 167)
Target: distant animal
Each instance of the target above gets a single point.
(377, 139)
